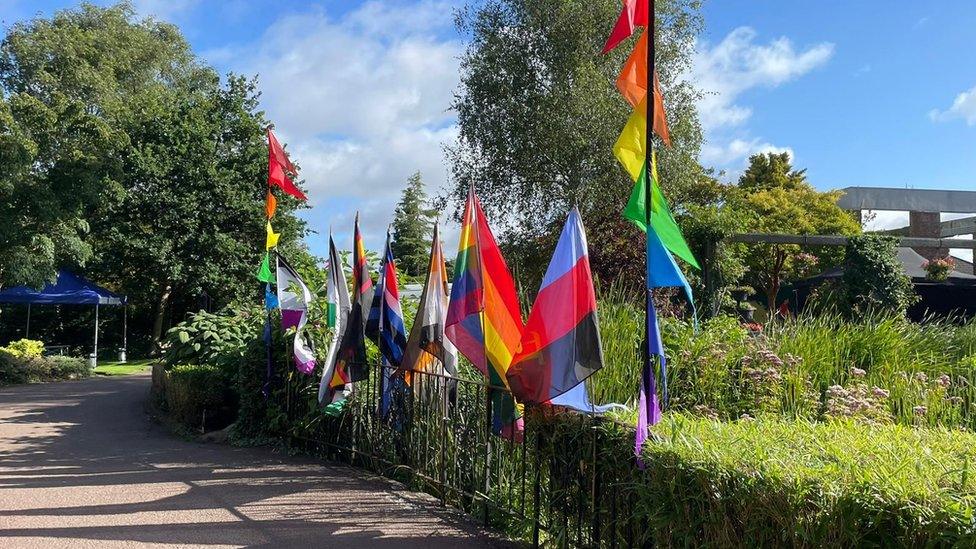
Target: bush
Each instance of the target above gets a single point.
(30, 348)
(799, 484)
(215, 339)
(193, 390)
(874, 280)
(17, 368)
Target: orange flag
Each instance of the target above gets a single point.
(270, 205)
(632, 83)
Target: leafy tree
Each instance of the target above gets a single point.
(874, 280)
(412, 226)
(162, 162)
(63, 83)
(775, 198)
(538, 115)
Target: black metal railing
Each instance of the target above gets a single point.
(570, 481)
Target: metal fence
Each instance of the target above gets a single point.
(569, 482)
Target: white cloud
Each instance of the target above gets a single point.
(730, 68)
(362, 102)
(963, 107)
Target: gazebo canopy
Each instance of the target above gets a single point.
(70, 289)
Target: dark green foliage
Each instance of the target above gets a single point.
(213, 339)
(191, 391)
(874, 280)
(412, 226)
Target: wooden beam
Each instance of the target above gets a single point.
(966, 225)
(836, 240)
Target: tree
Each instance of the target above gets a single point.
(775, 198)
(412, 227)
(63, 82)
(172, 188)
(538, 115)
(874, 280)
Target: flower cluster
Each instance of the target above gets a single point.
(858, 401)
(939, 269)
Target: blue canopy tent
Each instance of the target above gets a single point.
(70, 289)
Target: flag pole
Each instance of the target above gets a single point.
(648, 173)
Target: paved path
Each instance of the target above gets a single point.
(81, 466)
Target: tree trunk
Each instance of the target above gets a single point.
(157, 332)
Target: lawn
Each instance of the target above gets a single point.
(123, 368)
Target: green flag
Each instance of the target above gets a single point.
(662, 221)
(264, 271)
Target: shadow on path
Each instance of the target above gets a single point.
(81, 465)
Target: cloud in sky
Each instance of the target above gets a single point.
(964, 107)
(362, 101)
(737, 64)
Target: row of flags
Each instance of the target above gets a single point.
(647, 207)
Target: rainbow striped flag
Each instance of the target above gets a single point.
(351, 365)
(484, 320)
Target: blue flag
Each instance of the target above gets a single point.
(392, 334)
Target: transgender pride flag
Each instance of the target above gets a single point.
(561, 342)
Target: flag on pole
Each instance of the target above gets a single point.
(272, 237)
(391, 332)
(279, 166)
(560, 345)
(662, 222)
(293, 299)
(633, 14)
(270, 205)
(484, 320)
(648, 408)
(264, 273)
(428, 350)
(338, 307)
(632, 83)
(351, 365)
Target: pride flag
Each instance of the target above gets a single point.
(561, 342)
(484, 320)
(339, 305)
(391, 332)
(351, 365)
(293, 300)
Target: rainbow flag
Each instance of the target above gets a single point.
(351, 365)
(484, 320)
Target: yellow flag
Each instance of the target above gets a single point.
(629, 148)
(272, 240)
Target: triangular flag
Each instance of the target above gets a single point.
(278, 162)
(633, 14)
(632, 83)
(272, 238)
(264, 271)
(270, 205)
(662, 221)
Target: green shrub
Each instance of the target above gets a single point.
(191, 390)
(30, 348)
(66, 367)
(873, 277)
(771, 483)
(18, 368)
(215, 339)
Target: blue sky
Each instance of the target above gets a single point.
(861, 93)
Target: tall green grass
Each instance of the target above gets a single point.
(876, 368)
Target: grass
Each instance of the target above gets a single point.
(807, 484)
(123, 368)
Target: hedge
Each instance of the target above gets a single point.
(801, 484)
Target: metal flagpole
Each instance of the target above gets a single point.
(27, 333)
(648, 142)
(125, 331)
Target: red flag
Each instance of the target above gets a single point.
(278, 153)
(632, 83)
(278, 162)
(633, 14)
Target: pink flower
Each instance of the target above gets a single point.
(920, 410)
(879, 392)
(944, 381)
(857, 372)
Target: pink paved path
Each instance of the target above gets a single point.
(81, 466)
